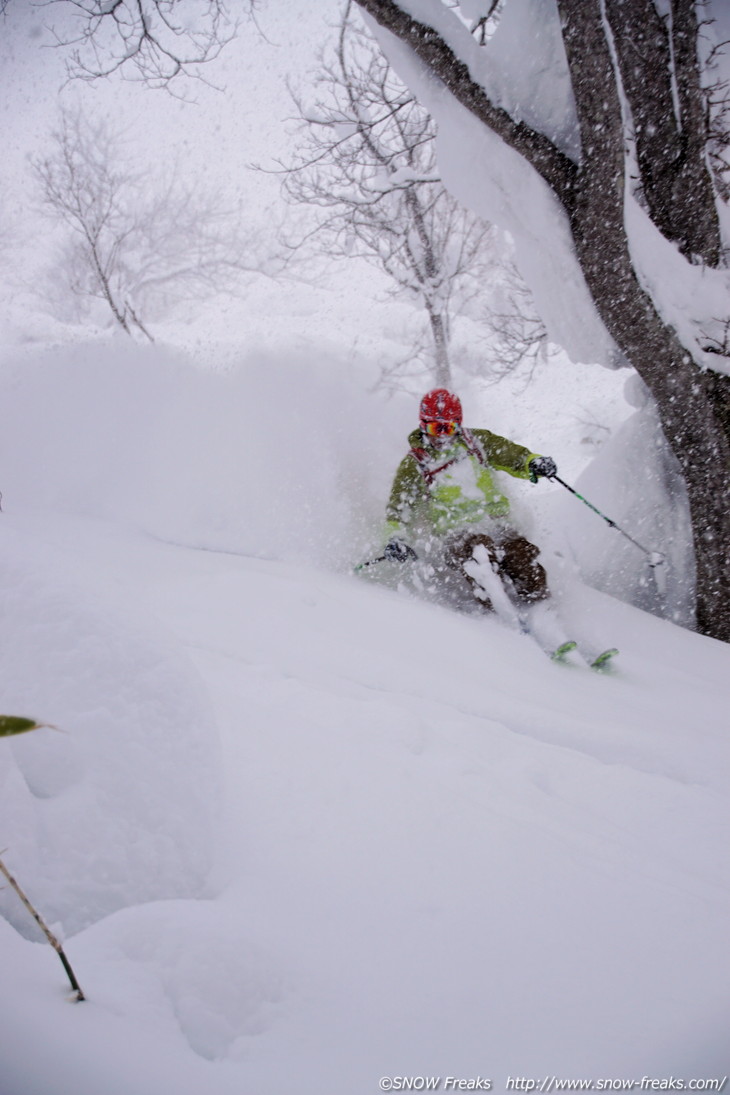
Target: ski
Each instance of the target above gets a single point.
(604, 659)
(600, 662)
(516, 616)
(559, 653)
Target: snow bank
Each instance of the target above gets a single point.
(691, 299)
(118, 805)
(634, 480)
(199, 974)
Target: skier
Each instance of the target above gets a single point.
(445, 501)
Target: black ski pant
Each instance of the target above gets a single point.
(511, 555)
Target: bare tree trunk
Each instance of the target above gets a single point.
(694, 199)
(138, 321)
(669, 124)
(426, 271)
(692, 405)
(442, 372)
(117, 312)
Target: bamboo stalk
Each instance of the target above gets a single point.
(46, 931)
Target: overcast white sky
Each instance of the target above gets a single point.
(220, 133)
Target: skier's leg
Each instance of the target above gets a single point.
(459, 549)
(519, 560)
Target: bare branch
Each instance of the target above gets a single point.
(152, 41)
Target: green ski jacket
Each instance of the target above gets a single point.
(437, 490)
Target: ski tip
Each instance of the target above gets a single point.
(565, 648)
(604, 659)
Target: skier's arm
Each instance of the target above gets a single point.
(407, 490)
(506, 455)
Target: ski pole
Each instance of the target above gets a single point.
(370, 563)
(409, 554)
(653, 558)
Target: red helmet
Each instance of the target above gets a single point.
(440, 406)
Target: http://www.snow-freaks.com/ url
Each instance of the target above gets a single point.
(547, 1084)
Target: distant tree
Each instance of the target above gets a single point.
(518, 338)
(134, 243)
(367, 165)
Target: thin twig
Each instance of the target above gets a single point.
(46, 931)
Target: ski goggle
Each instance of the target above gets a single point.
(440, 429)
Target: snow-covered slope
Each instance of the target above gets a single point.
(302, 832)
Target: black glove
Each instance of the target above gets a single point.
(542, 466)
(398, 550)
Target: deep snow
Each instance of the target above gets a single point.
(300, 831)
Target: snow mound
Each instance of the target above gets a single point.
(192, 971)
(116, 807)
(656, 516)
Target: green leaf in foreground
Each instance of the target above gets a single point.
(16, 724)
